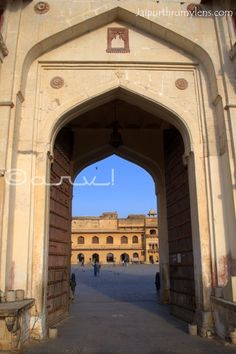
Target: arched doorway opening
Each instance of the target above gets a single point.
(124, 257)
(110, 258)
(81, 258)
(162, 155)
(135, 258)
(95, 257)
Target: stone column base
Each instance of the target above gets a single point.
(204, 320)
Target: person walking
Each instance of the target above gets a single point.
(72, 286)
(95, 268)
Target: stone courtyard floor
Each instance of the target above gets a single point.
(119, 313)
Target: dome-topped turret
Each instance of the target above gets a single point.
(152, 213)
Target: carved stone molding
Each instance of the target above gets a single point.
(6, 104)
(20, 96)
(229, 106)
(123, 34)
(41, 7)
(3, 48)
(181, 84)
(57, 82)
(217, 99)
(50, 157)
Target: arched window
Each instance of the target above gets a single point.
(80, 240)
(95, 239)
(135, 255)
(135, 239)
(124, 239)
(109, 239)
(153, 232)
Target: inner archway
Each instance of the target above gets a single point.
(156, 145)
(80, 257)
(95, 258)
(124, 257)
(110, 258)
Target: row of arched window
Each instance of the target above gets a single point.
(110, 257)
(109, 239)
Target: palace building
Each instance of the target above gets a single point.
(109, 239)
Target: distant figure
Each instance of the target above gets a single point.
(99, 268)
(158, 281)
(82, 262)
(72, 286)
(96, 268)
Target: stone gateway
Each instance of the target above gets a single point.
(154, 83)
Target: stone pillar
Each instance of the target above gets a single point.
(163, 244)
(8, 116)
(2, 192)
(5, 189)
(201, 241)
(39, 262)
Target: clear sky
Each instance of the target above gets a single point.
(113, 184)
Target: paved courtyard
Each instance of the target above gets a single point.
(119, 313)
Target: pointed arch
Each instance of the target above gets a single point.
(125, 153)
(133, 93)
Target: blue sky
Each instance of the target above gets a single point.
(113, 184)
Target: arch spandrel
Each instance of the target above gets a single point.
(67, 101)
(143, 46)
(104, 15)
(144, 98)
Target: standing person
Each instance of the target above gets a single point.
(95, 268)
(99, 268)
(158, 281)
(72, 286)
